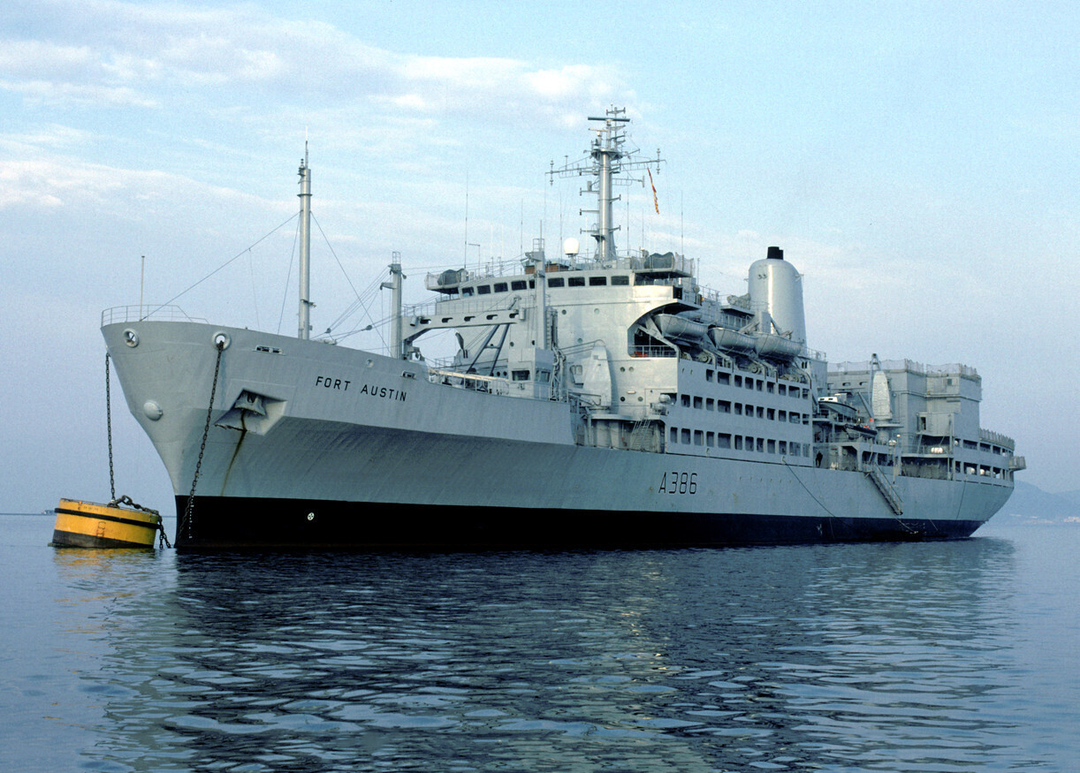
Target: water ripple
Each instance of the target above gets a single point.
(843, 658)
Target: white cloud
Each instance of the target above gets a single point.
(134, 56)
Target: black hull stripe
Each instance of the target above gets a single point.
(68, 539)
(225, 523)
(112, 518)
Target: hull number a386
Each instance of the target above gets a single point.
(678, 482)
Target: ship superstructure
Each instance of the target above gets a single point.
(603, 398)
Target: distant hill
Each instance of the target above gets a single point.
(1031, 505)
(1072, 496)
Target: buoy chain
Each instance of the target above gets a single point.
(126, 500)
(163, 539)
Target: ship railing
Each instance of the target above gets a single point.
(648, 263)
(167, 313)
(653, 351)
(910, 366)
(997, 439)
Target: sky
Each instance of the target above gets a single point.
(918, 163)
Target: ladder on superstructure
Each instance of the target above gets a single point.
(642, 431)
(892, 496)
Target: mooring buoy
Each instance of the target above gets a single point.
(91, 525)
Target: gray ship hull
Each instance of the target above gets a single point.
(349, 448)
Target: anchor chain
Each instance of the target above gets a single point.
(190, 508)
(108, 424)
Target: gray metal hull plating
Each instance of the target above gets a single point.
(345, 434)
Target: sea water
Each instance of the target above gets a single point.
(953, 656)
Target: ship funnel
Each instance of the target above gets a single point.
(776, 290)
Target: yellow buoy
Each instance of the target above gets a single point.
(91, 525)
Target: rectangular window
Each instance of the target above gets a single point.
(699, 437)
(738, 381)
(783, 389)
(674, 435)
(597, 281)
(466, 292)
(709, 375)
(556, 281)
(710, 404)
(738, 409)
(697, 402)
(518, 284)
(738, 443)
(575, 281)
(724, 440)
(770, 387)
(771, 414)
(724, 406)
(723, 378)
(620, 279)
(483, 289)
(761, 445)
(686, 401)
(500, 287)
(710, 439)
(783, 447)
(686, 436)
(772, 446)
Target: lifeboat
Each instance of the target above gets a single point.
(732, 340)
(681, 328)
(777, 347)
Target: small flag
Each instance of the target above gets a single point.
(656, 204)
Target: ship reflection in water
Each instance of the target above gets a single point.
(842, 657)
